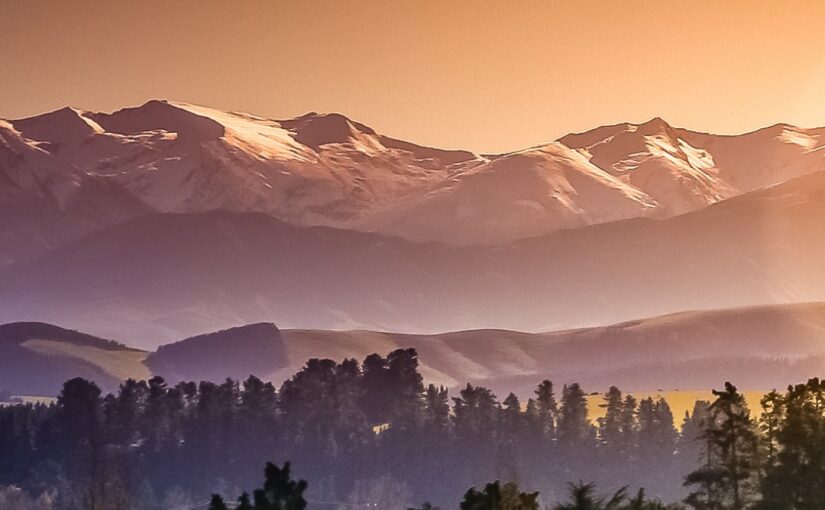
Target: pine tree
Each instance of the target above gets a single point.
(78, 423)
(217, 503)
(769, 423)
(436, 409)
(244, 503)
(280, 491)
(629, 424)
(583, 497)
(727, 482)
(498, 497)
(797, 476)
(574, 428)
(547, 408)
(610, 425)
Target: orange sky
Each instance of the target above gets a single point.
(488, 76)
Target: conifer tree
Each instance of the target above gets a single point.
(574, 428)
(547, 407)
(280, 491)
(244, 503)
(217, 503)
(498, 497)
(728, 480)
(610, 425)
(797, 476)
(769, 423)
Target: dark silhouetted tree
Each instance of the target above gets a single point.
(498, 497)
(217, 503)
(280, 491)
(728, 480)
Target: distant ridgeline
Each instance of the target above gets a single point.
(36, 358)
(680, 355)
(373, 432)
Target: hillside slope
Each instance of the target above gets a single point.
(37, 358)
(759, 348)
(254, 349)
(163, 277)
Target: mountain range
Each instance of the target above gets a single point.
(95, 169)
(162, 221)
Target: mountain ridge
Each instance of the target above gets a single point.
(327, 169)
(168, 276)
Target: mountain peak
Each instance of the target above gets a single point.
(67, 124)
(160, 114)
(317, 129)
(656, 125)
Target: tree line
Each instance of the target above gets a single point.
(372, 433)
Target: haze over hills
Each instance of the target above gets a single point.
(162, 221)
(162, 277)
(758, 347)
(325, 169)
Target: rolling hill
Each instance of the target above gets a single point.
(759, 348)
(37, 358)
(237, 352)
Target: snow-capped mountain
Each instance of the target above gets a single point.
(95, 169)
(44, 202)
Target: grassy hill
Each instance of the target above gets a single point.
(36, 358)
(757, 348)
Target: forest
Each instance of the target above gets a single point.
(371, 434)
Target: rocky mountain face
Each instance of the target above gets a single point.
(70, 172)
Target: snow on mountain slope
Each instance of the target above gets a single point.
(653, 158)
(516, 195)
(44, 203)
(764, 157)
(316, 169)
(326, 169)
(683, 170)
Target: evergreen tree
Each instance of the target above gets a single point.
(728, 481)
(498, 497)
(511, 418)
(436, 409)
(78, 440)
(692, 448)
(610, 425)
(547, 407)
(280, 491)
(769, 422)
(217, 503)
(244, 503)
(407, 388)
(574, 428)
(629, 424)
(475, 414)
(797, 476)
(583, 497)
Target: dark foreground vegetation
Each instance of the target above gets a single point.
(371, 435)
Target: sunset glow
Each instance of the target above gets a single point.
(487, 76)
